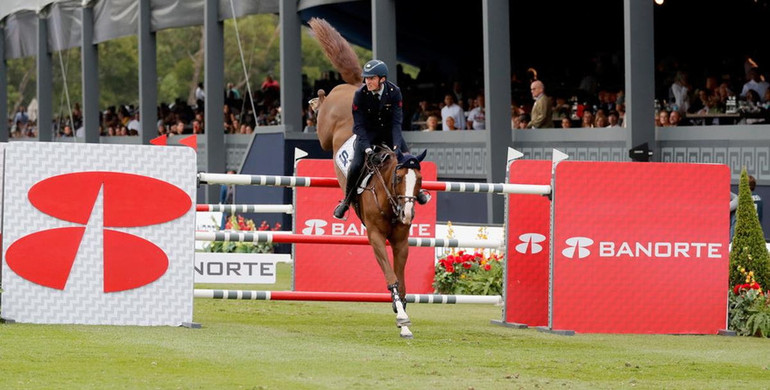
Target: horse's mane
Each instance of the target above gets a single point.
(337, 50)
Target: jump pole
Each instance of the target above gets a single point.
(291, 238)
(246, 208)
(296, 181)
(344, 297)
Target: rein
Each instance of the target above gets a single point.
(388, 191)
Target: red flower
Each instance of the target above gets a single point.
(745, 287)
(450, 268)
(467, 265)
(487, 267)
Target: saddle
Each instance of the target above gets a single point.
(374, 162)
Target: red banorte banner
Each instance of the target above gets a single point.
(352, 268)
(528, 243)
(640, 247)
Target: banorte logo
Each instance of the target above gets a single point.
(46, 257)
(530, 243)
(314, 227)
(577, 247)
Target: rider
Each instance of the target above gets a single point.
(377, 117)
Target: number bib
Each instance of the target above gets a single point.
(344, 155)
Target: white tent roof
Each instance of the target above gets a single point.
(112, 19)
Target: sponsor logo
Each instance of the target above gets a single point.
(46, 257)
(530, 243)
(580, 247)
(314, 227)
(577, 247)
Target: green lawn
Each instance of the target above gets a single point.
(319, 345)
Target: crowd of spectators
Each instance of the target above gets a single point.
(431, 104)
(591, 103)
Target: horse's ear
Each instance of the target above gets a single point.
(422, 155)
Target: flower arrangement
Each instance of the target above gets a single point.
(479, 272)
(749, 307)
(239, 223)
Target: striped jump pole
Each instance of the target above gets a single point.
(296, 181)
(247, 208)
(291, 238)
(344, 297)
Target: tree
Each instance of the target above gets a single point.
(749, 249)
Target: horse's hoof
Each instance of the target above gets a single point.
(406, 333)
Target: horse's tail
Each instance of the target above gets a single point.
(337, 50)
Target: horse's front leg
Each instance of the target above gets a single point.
(400, 244)
(377, 240)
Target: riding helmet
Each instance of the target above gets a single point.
(375, 68)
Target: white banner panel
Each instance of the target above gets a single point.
(248, 268)
(98, 234)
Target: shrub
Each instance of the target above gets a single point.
(749, 250)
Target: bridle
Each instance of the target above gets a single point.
(397, 202)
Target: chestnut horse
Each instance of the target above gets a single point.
(386, 205)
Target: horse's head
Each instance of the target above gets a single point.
(407, 182)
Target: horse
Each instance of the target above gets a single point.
(386, 203)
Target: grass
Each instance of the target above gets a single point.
(320, 345)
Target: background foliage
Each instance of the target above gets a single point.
(179, 64)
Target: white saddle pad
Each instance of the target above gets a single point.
(344, 155)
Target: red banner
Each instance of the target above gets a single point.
(528, 225)
(352, 268)
(640, 247)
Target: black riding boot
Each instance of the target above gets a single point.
(342, 208)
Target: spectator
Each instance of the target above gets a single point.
(451, 109)
(758, 204)
(733, 208)
(431, 123)
(476, 118)
(309, 126)
(197, 126)
(21, 119)
(613, 119)
(457, 91)
(420, 114)
(674, 118)
(601, 121)
(663, 118)
(542, 110)
(67, 131)
(134, 126)
(566, 123)
(271, 90)
(524, 120)
(755, 82)
(588, 119)
(450, 124)
(200, 95)
(679, 92)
